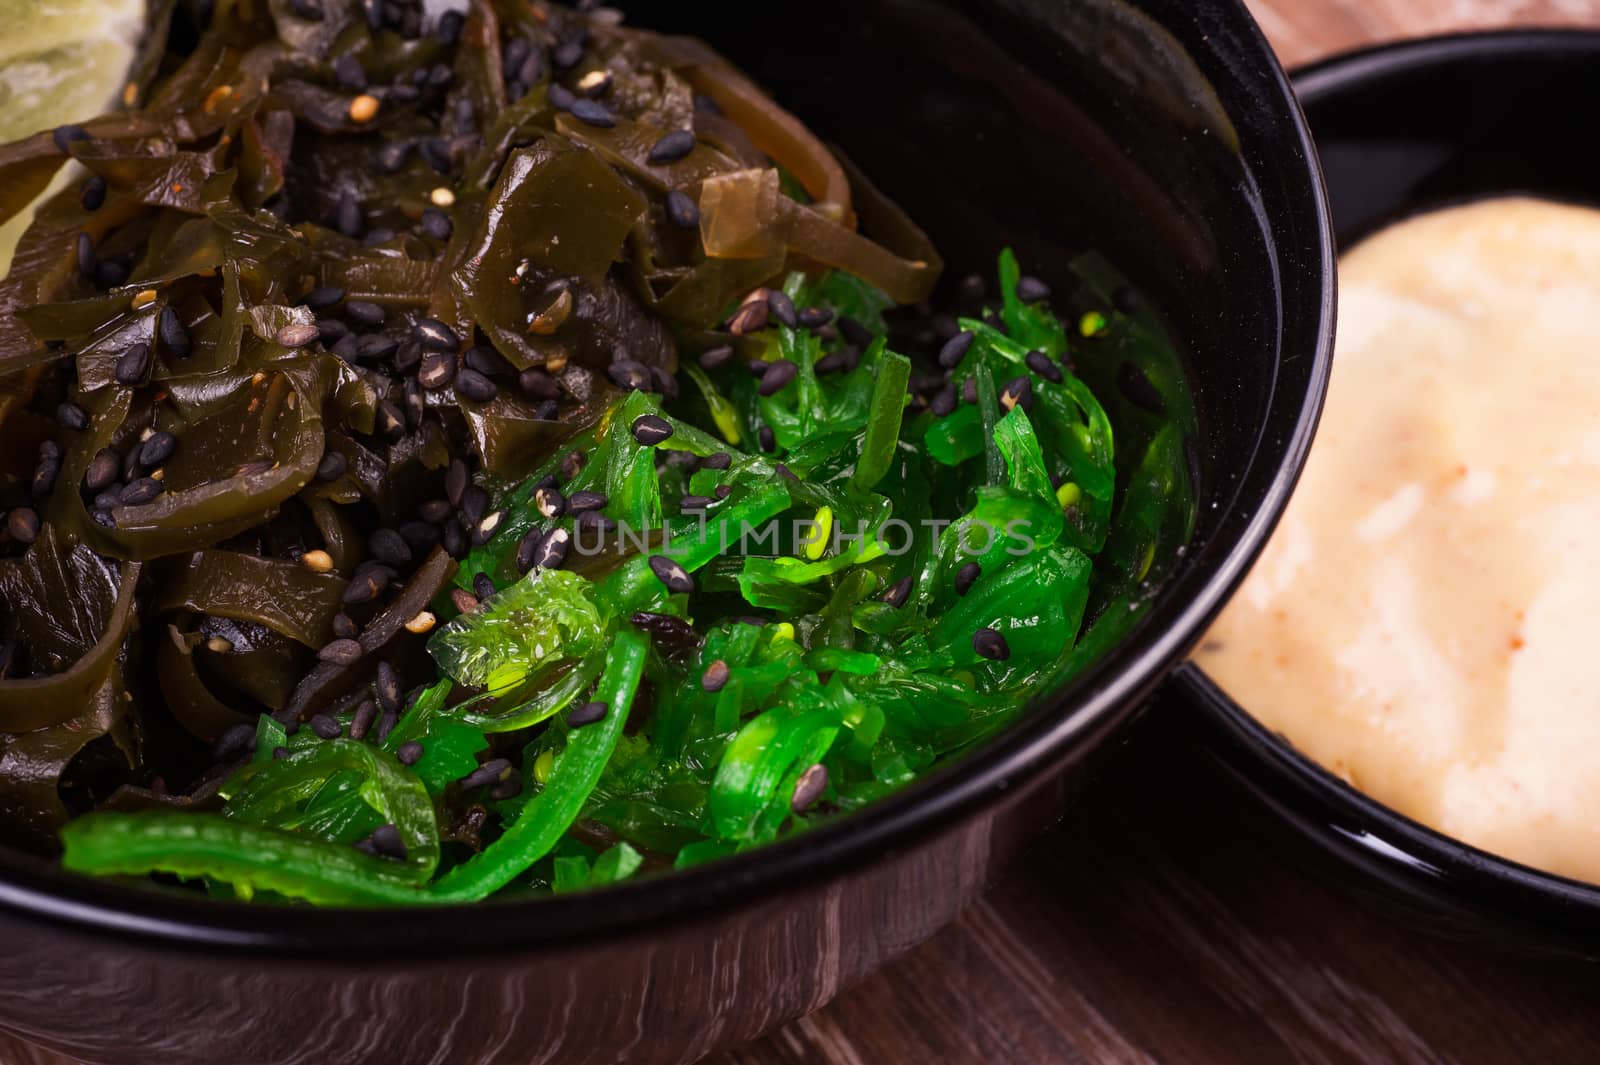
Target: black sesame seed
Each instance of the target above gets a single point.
(474, 504)
(630, 375)
(347, 216)
(969, 390)
(831, 363)
(485, 360)
(955, 349)
(1044, 366)
(512, 57)
(489, 772)
(587, 714)
(716, 357)
(1017, 392)
(1032, 290)
(945, 401)
(776, 377)
(809, 788)
(361, 723)
(233, 742)
(722, 491)
(326, 727)
(682, 211)
(409, 753)
(348, 72)
(141, 491)
(436, 224)
(551, 503)
(966, 576)
(719, 461)
(332, 466)
(391, 419)
(84, 249)
(813, 317)
(782, 308)
(484, 531)
(766, 438)
(420, 536)
(23, 524)
(482, 586)
(751, 317)
(572, 463)
(527, 549)
(991, 645)
(671, 148)
(470, 384)
(437, 370)
(578, 502)
(899, 592)
(345, 348)
(392, 156)
(109, 273)
(448, 30)
(669, 573)
(651, 429)
(341, 652)
(388, 546)
(536, 383)
(71, 416)
(92, 193)
(375, 237)
(854, 332)
(47, 470)
(345, 627)
(436, 335)
(715, 678)
(435, 151)
(385, 841)
(365, 586)
(568, 55)
(454, 540)
(561, 98)
(593, 113)
(64, 136)
(694, 504)
(157, 449)
(456, 481)
(1133, 384)
(553, 548)
(388, 687)
(320, 299)
(364, 312)
(330, 330)
(103, 470)
(435, 511)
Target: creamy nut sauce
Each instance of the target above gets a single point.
(1426, 620)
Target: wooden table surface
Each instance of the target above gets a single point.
(1151, 930)
(1152, 926)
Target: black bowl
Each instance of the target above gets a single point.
(1162, 133)
(1403, 129)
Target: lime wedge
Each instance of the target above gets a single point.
(60, 61)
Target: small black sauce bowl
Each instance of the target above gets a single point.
(1162, 133)
(1400, 130)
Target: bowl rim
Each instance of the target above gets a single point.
(1392, 845)
(1001, 771)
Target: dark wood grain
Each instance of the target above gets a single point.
(1159, 923)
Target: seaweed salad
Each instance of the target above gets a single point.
(495, 450)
